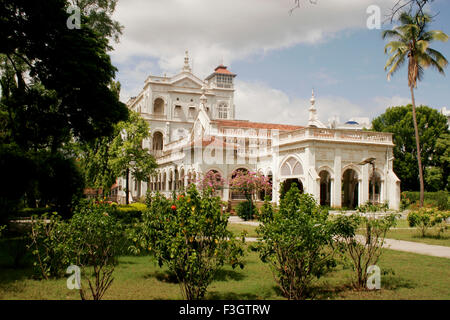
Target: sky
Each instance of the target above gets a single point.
(278, 56)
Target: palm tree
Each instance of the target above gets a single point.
(411, 41)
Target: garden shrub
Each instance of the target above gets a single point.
(96, 240)
(366, 249)
(246, 210)
(442, 200)
(426, 218)
(91, 239)
(296, 243)
(267, 211)
(49, 245)
(128, 214)
(410, 199)
(373, 207)
(189, 236)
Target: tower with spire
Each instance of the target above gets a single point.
(313, 120)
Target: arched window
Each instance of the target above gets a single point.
(158, 106)
(223, 111)
(157, 141)
(291, 167)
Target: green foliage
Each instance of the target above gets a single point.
(98, 15)
(49, 238)
(246, 210)
(95, 240)
(426, 218)
(266, 211)
(297, 244)
(434, 178)
(442, 200)
(364, 251)
(59, 182)
(91, 238)
(431, 125)
(373, 207)
(409, 199)
(129, 214)
(189, 236)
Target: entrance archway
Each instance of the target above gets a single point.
(325, 188)
(350, 189)
(287, 184)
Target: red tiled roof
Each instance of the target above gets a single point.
(221, 69)
(256, 125)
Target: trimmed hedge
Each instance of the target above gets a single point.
(129, 213)
(124, 213)
(437, 199)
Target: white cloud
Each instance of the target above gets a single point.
(231, 30)
(259, 102)
(256, 101)
(382, 103)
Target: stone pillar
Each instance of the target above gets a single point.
(361, 199)
(337, 193)
(332, 192)
(366, 172)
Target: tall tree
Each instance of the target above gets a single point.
(432, 127)
(98, 15)
(128, 155)
(55, 88)
(411, 42)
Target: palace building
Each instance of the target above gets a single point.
(194, 131)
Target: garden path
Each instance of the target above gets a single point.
(400, 245)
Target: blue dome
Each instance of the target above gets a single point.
(351, 122)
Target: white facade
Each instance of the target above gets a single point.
(194, 131)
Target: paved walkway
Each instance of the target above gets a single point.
(400, 245)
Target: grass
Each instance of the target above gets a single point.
(415, 236)
(238, 228)
(414, 277)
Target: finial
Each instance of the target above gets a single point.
(186, 62)
(313, 98)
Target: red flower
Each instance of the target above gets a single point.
(174, 207)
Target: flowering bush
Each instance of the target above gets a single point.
(249, 183)
(213, 180)
(426, 218)
(189, 235)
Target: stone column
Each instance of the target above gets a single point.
(337, 193)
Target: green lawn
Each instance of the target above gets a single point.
(415, 277)
(238, 228)
(415, 236)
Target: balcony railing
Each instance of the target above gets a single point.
(341, 135)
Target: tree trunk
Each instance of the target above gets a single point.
(127, 187)
(419, 158)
